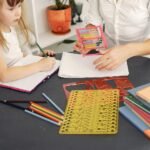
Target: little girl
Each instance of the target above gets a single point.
(10, 51)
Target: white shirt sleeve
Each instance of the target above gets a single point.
(93, 15)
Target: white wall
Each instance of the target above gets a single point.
(35, 14)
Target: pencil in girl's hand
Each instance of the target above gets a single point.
(41, 50)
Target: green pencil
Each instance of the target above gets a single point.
(41, 50)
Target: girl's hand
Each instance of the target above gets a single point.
(49, 53)
(46, 63)
(113, 58)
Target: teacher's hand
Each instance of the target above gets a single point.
(80, 48)
(113, 58)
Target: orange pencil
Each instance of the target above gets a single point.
(46, 110)
(44, 114)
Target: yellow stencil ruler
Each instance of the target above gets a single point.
(91, 112)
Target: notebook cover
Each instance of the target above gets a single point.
(136, 121)
(23, 90)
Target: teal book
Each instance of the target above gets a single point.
(135, 120)
(138, 103)
(134, 91)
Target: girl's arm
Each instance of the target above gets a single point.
(8, 74)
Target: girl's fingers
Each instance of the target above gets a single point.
(49, 53)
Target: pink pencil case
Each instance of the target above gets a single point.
(91, 38)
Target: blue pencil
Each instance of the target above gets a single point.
(41, 117)
(30, 112)
(57, 107)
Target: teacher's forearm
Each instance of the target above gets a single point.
(138, 49)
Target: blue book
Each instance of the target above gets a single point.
(134, 91)
(135, 120)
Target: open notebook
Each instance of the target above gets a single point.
(27, 84)
(79, 66)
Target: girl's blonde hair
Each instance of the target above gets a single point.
(21, 24)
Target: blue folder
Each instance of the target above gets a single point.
(135, 120)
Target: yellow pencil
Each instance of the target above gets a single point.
(44, 109)
(44, 114)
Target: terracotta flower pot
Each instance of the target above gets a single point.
(59, 21)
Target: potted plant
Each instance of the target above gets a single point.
(59, 16)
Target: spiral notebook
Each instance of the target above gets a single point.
(28, 84)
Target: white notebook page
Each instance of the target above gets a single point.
(78, 66)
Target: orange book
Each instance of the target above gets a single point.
(144, 93)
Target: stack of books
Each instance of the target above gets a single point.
(137, 108)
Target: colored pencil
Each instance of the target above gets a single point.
(31, 113)
(41, 50)
(46, 110)
(22, 101)
(41, 117)
(44, 114)
(56, 106)
(14, 105)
